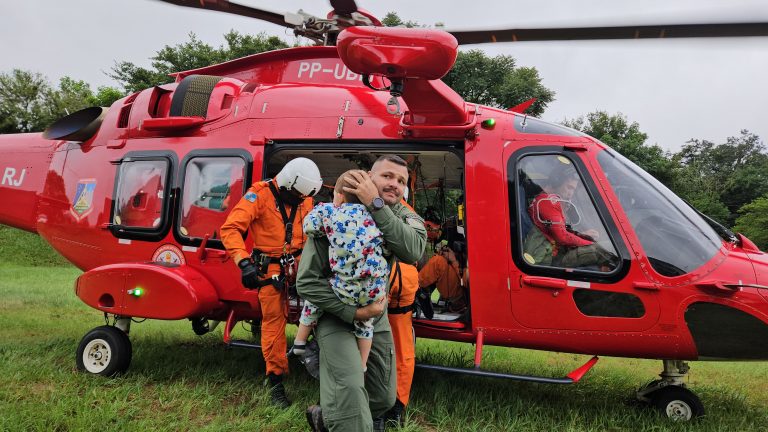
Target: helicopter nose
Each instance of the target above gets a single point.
(760, 266)
(762, 289)
(764, 292)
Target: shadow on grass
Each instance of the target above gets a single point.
(168, 358)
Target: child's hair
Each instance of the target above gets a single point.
(340, 183)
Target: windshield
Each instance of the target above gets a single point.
(675, 238)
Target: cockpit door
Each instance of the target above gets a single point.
(570, 264)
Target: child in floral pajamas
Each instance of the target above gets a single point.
(356, 255)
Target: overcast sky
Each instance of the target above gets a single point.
(675, 89)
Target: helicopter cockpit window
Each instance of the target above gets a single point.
(531, 125)
(675, 238)
(211, 186)
(141, 194)
(559, 223)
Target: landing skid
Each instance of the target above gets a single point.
(571, 378)
(230, 324)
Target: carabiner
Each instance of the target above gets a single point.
(393, 106)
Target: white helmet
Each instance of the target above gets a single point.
(300, 175)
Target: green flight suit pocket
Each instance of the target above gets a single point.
(537, 249)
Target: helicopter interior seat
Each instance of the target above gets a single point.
(214, 198)
(528, 190)
(221, 196)
(525, 219)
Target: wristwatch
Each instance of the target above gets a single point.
(377, 203)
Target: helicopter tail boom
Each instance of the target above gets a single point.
(23, 171)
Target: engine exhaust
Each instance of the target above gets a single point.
(78, 126)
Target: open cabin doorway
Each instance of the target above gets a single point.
(435, 192)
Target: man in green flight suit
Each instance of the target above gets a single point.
(350, 400)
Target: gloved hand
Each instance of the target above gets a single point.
(249, 273)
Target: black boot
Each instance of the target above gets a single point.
(424, 303)
(396, 415)
(379, 424)
(277, 391)
(315, 418)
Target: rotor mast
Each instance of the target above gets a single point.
(324, 31)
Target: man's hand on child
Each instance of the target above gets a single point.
(362, 186)
(372, 310)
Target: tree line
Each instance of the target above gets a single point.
(728, 181)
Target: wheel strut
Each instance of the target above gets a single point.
(123, 323)
(673, 375)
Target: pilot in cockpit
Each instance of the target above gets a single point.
(555, 243)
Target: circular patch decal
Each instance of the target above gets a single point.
(169, 254)
(529, 258)
(564, 160)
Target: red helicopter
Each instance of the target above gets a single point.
(134, 195)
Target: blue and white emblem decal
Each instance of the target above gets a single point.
(250, 196)
(82, 203)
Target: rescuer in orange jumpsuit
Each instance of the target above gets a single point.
(273, 211)
(404, 282)
(443, 271)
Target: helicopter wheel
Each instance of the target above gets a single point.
(200, 326)
(677, 403)
(104, 351)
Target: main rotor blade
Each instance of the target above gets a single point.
(233, 8)
(344, 7)
(622, 32)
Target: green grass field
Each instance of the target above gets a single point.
(180, 381)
